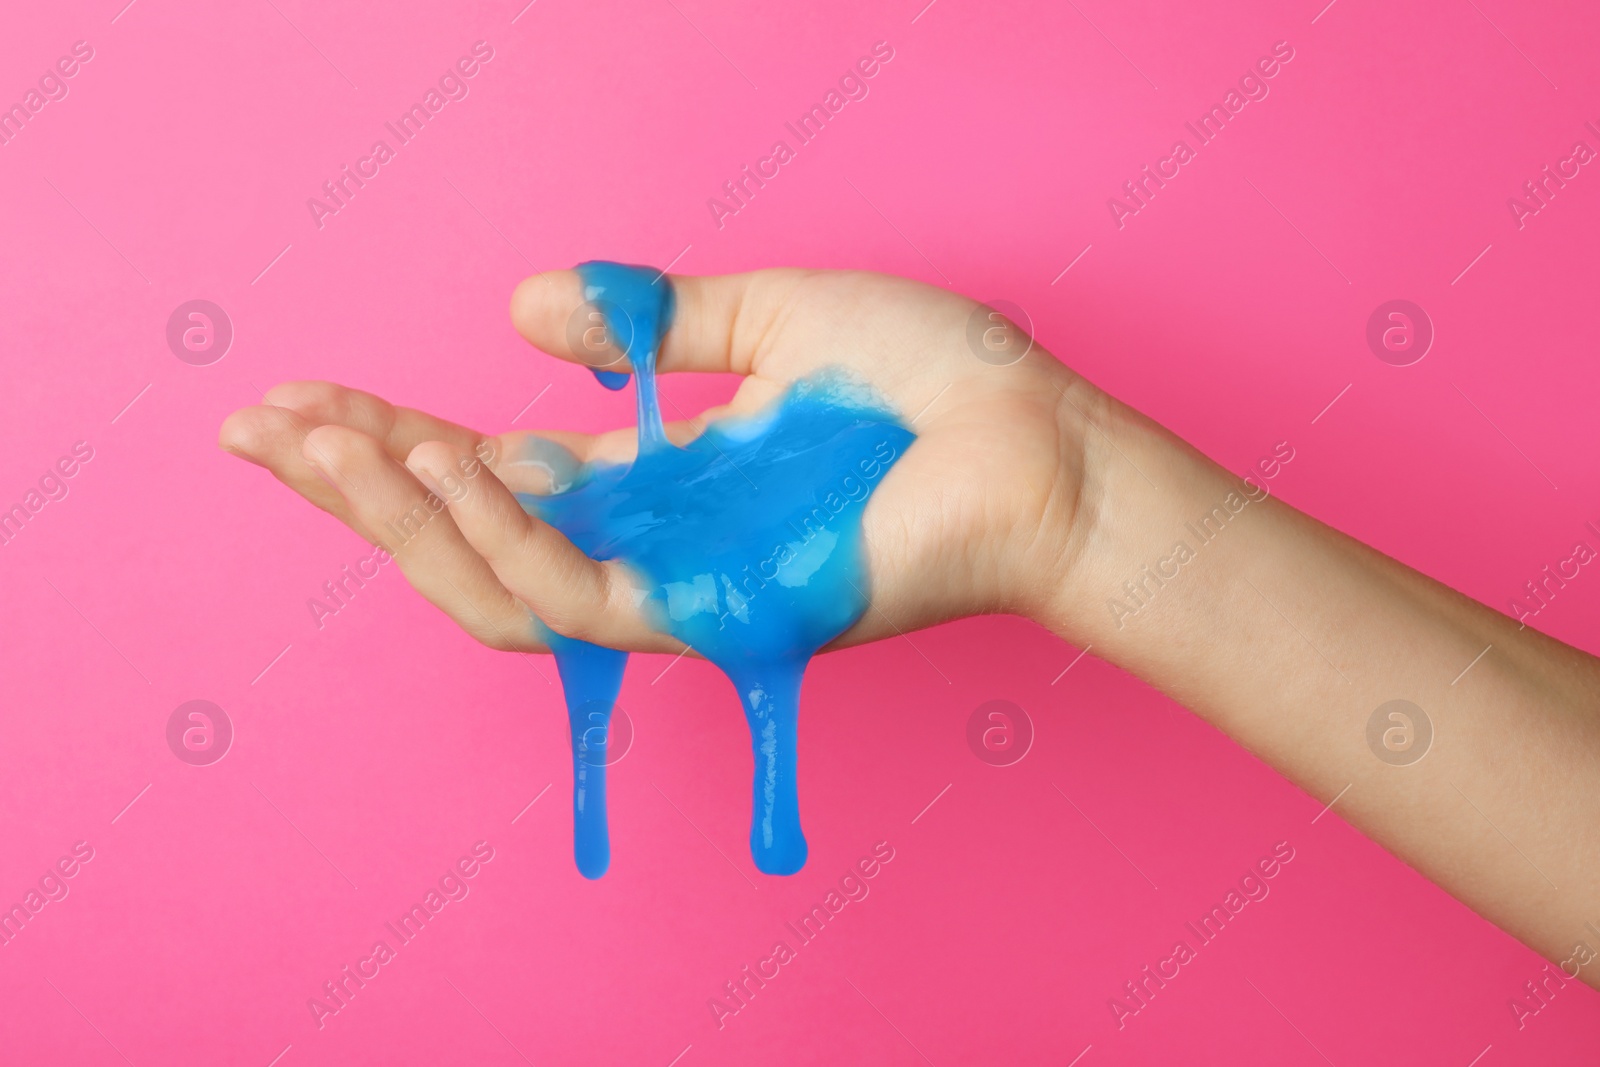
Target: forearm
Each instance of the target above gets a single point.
(1288, 636)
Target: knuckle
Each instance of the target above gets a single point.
(568, 623)
(346, 447)
(495, 639)
(513, 552)
(321, 401)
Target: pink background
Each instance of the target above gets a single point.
(374, 751)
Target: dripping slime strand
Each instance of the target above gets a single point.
(746, 541)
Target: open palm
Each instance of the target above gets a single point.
(978, 509)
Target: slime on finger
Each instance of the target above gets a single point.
(747, 542)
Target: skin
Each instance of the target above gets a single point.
(1031, 492)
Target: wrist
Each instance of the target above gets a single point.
(1140, 492)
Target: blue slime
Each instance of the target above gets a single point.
(746, 541)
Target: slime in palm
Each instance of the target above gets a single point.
(747, 541)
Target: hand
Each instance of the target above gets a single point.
(980, 515)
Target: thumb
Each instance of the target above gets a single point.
(719, 322)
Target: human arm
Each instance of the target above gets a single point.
(1032, 492)
(1290, 637)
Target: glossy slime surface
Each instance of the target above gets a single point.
(747, 541)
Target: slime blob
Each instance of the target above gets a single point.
(747, 541)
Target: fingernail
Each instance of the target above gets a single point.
(429, 481)
(557, 463)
